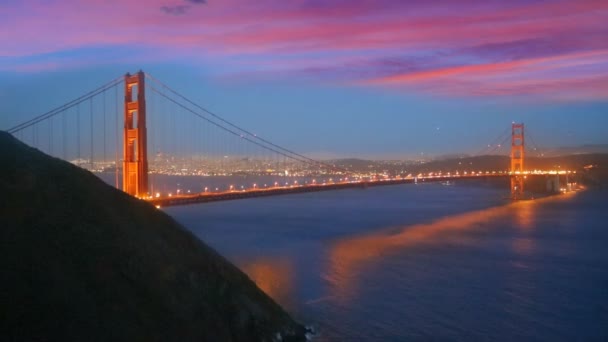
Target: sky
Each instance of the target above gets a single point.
(348, 78)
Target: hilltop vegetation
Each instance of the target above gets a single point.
(81, 261)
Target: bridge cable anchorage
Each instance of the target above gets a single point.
(247, 135)
(64, 107)
(254, 136)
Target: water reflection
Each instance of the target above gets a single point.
(524, 213)
(349, 256)
(523, 246)
(274, 276)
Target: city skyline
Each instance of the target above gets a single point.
(385, 79)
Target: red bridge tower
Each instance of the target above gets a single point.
(517, 161)
(135, 152)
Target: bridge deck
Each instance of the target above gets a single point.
(206, 197)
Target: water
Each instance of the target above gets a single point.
(420, 262)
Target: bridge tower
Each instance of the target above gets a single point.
(517, 161)
(135, 152)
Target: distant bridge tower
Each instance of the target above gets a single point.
(517, 161)
(135, 156)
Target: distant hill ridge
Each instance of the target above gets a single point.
(82, 261)
(483, 163)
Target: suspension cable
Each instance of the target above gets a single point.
(254, 136)
(233, 132)
(64, 107)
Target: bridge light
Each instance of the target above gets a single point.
(157, 195)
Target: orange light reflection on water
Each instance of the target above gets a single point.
(348, 256)
(274, 276)
(524, 213)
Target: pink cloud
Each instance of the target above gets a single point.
(489, 44)
(550, 76)
(262, 26)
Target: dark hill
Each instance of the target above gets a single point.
(82, 261)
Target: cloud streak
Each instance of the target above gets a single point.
(175, 10)
(181, 9)
(457, 48)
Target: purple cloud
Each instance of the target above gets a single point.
(386, 43)
(175, 10)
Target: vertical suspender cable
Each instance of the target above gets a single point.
(91, 130)
(35, 135)
(51, 136)
(64, 134)
(78, 131)
(104, 127)
(117, 136)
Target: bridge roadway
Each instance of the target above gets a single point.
(205, 197)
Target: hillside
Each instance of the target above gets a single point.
(82, 261)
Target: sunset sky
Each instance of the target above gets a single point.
(343, 77)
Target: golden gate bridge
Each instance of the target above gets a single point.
(140, 128)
